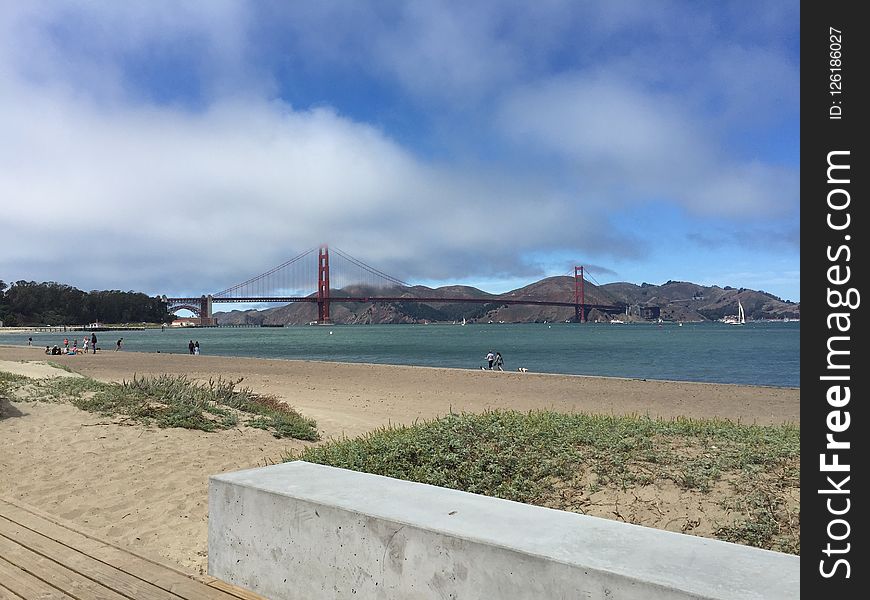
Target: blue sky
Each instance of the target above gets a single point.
(182, 147)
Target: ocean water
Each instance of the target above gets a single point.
(762, 353)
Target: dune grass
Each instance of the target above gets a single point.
(533, 457)
(9, 382)
(60, 366)
(170, 401)
(752, 472)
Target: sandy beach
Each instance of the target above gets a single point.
(146, 488)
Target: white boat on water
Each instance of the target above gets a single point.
(739, 319)
(617, 322)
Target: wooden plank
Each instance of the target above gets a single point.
(58, 576)
(235, 590)
(16, 584)
(163, 576)
(89, 567)
(50, 526)
(7, 594)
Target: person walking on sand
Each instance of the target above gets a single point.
(94, 342)
(30, 341)
(196, 348)
(118, 344)
(490, 358)
(190, 346)
(85, 344)
(499, 362)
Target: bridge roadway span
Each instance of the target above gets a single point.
(376, 299)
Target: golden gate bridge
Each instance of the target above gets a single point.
(341, 278)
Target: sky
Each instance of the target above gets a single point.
(182, 147)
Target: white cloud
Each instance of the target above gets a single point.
(632, 144)
(107, 183)
(189, 200)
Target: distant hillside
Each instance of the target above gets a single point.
(684, 301)
(678, 301)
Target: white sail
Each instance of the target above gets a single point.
(739, 319)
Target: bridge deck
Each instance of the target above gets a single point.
(41, 557)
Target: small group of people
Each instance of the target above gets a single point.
(193, 347)
(495, 361)
(74, 348)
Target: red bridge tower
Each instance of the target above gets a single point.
(579, 295)
(323, 286)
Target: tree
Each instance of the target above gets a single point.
(50, 303)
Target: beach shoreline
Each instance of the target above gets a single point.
(414, 392)
(146, 488)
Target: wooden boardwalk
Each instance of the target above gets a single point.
(44, 558)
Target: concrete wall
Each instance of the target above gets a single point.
(304, 531)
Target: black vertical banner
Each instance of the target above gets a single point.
(834, 419)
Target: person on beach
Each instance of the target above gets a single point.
(196, 348)
(94, 342)
(499, 362)
(490, 358)
(65, 343)
(76, 346)
(85, 344)
(30, 341)
(47, 350)
(190, 346)
(118, 344)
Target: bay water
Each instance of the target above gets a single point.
(758, 353)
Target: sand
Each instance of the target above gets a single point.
(146, 488)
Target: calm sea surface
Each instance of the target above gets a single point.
(755, 353)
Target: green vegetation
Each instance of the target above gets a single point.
(565, 461)
(537, 457)
(168, 401)
(31, 303)
(60, 366)
(9, 382)
(446, 312)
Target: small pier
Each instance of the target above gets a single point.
(41, 557)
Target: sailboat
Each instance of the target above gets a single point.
(740, 319)
(463, 320)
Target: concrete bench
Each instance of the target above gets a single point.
(303, 531)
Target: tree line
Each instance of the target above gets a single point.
(26, 303)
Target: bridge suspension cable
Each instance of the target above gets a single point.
(246, 287)
(586, 275)
(298, 276)
(369, 268)
(589, 277)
